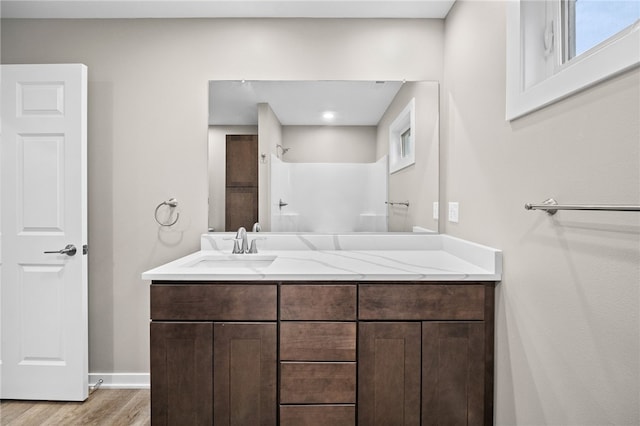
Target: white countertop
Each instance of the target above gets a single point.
(325, 257)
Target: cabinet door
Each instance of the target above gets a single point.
(453, 373)
(389, 373)
(244, 378)
(181, 371)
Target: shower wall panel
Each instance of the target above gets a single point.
(329, 197)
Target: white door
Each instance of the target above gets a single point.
(44, 315)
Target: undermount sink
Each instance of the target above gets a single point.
(256, 261)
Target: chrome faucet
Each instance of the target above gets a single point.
(241, 237)
(256, 227)
(241, 242)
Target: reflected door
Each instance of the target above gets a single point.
(241, 192)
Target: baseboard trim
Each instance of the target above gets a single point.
(121, 380)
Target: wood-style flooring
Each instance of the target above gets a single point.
(103, 407)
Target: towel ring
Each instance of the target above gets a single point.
(171, 203)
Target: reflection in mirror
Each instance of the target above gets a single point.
(320, 156)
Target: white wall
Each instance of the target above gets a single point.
(329, 144)
(148, 88)
(567, 338)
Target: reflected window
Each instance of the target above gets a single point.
(405, 143)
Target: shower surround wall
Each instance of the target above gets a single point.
(329, 197)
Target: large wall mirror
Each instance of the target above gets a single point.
(324, 156)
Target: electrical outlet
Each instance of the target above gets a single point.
(436, 210)
(454, 210)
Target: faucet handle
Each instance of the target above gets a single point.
(254, 248)
(236, 246)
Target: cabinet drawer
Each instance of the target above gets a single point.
(318, 341)
(318, 302)
(218, 302)
(421, 302)
(317, 415)
(317, 383)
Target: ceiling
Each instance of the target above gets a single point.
(225, 8)
(301, 103)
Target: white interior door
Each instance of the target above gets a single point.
(44, 208)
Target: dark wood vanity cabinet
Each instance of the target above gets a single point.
(318, 354)
(181, 373)
(318, 370)
(425, 354)
(213, 354)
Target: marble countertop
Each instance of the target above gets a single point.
(351, 257)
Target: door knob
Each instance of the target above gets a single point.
(69, 250)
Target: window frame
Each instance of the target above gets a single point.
(404, 121)
(608, 59)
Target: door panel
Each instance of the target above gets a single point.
(41, 183)
(242, 160)
(40, 98)
(181, 371)
(244, 379)
(242, 207)
(389, 373)
(42, 342)
(453, 373)
(44, 208)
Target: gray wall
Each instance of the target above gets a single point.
(148, 88)
(330, 144)
(567, 340)
(419, 183)
(567, 309)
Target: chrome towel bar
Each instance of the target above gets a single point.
(551, 206)
(393, 203)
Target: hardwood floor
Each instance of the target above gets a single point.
(122, 407)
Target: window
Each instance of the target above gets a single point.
(402, 139)
(587, 23)
(558, 47)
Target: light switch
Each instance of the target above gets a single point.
(436, 210)
(453, 212)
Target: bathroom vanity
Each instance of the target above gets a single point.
(323, 330)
